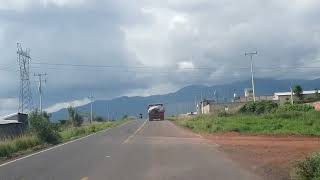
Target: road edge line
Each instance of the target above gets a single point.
(59, 145)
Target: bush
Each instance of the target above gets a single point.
(308, 169)
(75, 117)
(45, 131)
(295, 107)
(258, 107)
(99, 119)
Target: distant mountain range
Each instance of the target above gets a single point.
(184, 99)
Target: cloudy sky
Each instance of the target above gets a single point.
(123, 47)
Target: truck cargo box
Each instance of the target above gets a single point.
(156, 112)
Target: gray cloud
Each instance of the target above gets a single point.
(159, 34)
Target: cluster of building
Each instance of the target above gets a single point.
(211, 106)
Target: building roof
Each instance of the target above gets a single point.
(10, 119)
(9, 122)
(10, 116)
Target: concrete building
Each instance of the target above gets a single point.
(283, 97)
(212, 107)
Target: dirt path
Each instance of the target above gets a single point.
(271, 157)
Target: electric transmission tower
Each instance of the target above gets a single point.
(25, 96)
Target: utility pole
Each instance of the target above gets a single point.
(91, 116)
(251, 54)
(195, 104)
(108, 113)
(40, 89)
(291, 93)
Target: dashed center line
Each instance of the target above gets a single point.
(136, 132)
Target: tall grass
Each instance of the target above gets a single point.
(9, 147)
(73, 133)
(294, 122)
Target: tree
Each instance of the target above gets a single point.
(41, 126)
(298, 92)
(125, 116)
(99, 119)
(46, 115)
(78, 120)
(75, 118)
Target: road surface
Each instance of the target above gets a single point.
(139, 150)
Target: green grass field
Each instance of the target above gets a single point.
(287, 123)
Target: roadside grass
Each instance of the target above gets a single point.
(308, 169)
(30, 142)
(76, 132)
(266, 118)
(9, 147)
(286, 123)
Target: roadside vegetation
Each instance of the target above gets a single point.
(264, 117)
(43, 134)
(309, 168)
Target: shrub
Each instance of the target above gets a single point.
(99, 119)
(308, 169)
(258, 107)
(75, 117)
(285, 115)
(295, 107)
(45, 131)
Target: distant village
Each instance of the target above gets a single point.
(207, 106)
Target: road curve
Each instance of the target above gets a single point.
(139, 150)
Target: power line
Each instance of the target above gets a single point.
(152, 67)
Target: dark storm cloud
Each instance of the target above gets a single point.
(166, 36)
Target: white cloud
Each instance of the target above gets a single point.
(185, 65)
(176, 21)
(8, 105)
(62, 105)
(21, 5)
(154, 90)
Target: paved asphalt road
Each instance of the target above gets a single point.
(139, 150)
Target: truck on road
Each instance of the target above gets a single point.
(156, 112)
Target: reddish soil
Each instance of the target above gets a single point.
(271, 157)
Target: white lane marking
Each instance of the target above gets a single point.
(54, 147)
(132, 135)
(108, 156)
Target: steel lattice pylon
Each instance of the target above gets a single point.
(25, 97)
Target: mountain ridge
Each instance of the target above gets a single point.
(183, 100)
